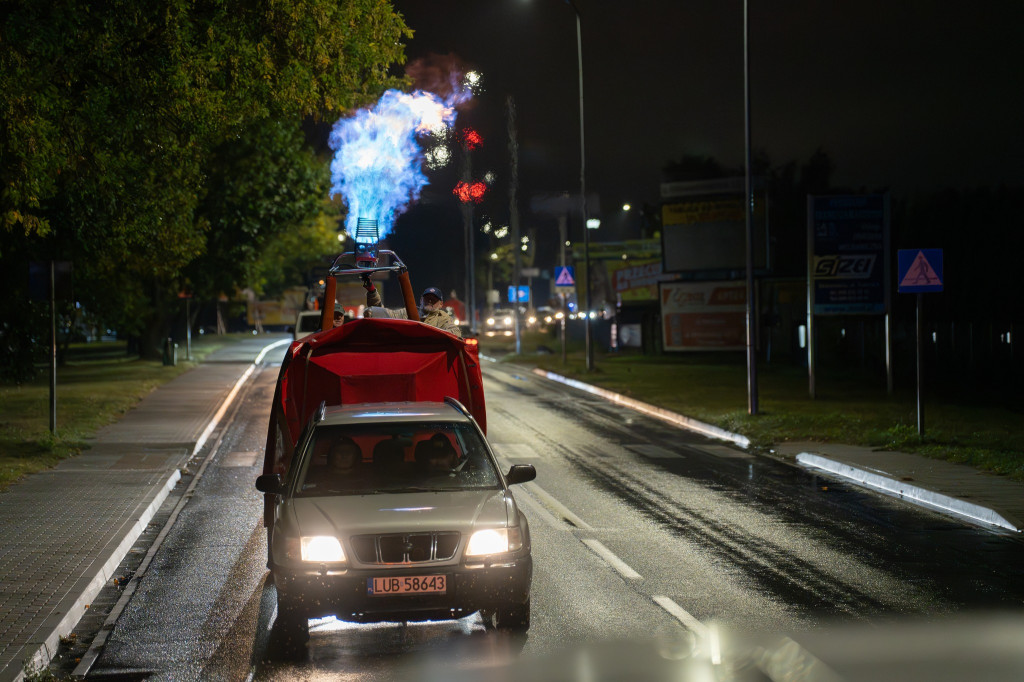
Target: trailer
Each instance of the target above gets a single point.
(370, 360)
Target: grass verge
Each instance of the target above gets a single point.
(97, 386)
(849, 406)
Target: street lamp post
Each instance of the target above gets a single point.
(752, 406)
(588, 330)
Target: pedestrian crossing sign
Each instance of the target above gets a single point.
(564, 276)
(920, 271)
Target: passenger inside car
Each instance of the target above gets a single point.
(436, 456)
(344, 470)
(389, 459)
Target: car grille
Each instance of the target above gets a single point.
(405, 548)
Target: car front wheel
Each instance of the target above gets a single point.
(291, 625)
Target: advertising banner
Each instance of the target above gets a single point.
(704, 227)
(637, 280)
(700, 316)
(848, 237)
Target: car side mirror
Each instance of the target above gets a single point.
(520, 473)
(270, 484)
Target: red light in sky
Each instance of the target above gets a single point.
(471, 139)
(470, 192)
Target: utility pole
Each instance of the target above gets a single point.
(513, 212)
(752, 407)
(467, 227)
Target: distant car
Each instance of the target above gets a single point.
(306, 323)
(501, 322)
(426, 528)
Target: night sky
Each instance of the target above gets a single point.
(903, 95)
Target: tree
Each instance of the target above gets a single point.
(115, 118)
(262, 185)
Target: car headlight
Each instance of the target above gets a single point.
(322, 549)
(490, 321)
(508, 320)
(494, 541)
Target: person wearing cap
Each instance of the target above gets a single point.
(339, 314)
(432, 310)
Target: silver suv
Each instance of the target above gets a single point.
(397, 512)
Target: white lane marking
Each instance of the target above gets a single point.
(680, 614)
(559, 508)
(514, 451)
(537, 508)
(615, 562)
(654, 451)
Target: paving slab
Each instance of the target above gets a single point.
(63, 532)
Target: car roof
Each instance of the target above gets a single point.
(369, 413)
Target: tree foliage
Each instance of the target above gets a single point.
(120, 122)
(261, 185)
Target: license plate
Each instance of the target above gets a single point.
(408, 584)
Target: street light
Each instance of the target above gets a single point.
(588, 328)
(583, 193)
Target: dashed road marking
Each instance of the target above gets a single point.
(680, 614)
(615, 562)
(558, 508)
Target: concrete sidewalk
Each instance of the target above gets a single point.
(64, 532)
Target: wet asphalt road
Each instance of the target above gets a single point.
(638, 528)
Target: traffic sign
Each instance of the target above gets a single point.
(521, 296)
(564, 276)
(920, 271)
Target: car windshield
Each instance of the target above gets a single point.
(309, 323)
(394, 457)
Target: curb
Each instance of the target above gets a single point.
(48, 645)
(927, 498)
(650, 410)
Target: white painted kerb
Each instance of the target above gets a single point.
(929, 498)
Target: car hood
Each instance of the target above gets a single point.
(463, 511)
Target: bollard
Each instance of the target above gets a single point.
(170, 352)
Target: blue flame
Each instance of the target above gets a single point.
(377, 160)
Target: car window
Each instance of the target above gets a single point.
(309, 323)
(385, 458)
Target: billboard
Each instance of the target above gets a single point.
(848, 240)
(701, 316)
(704, 227)
(636, 280)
